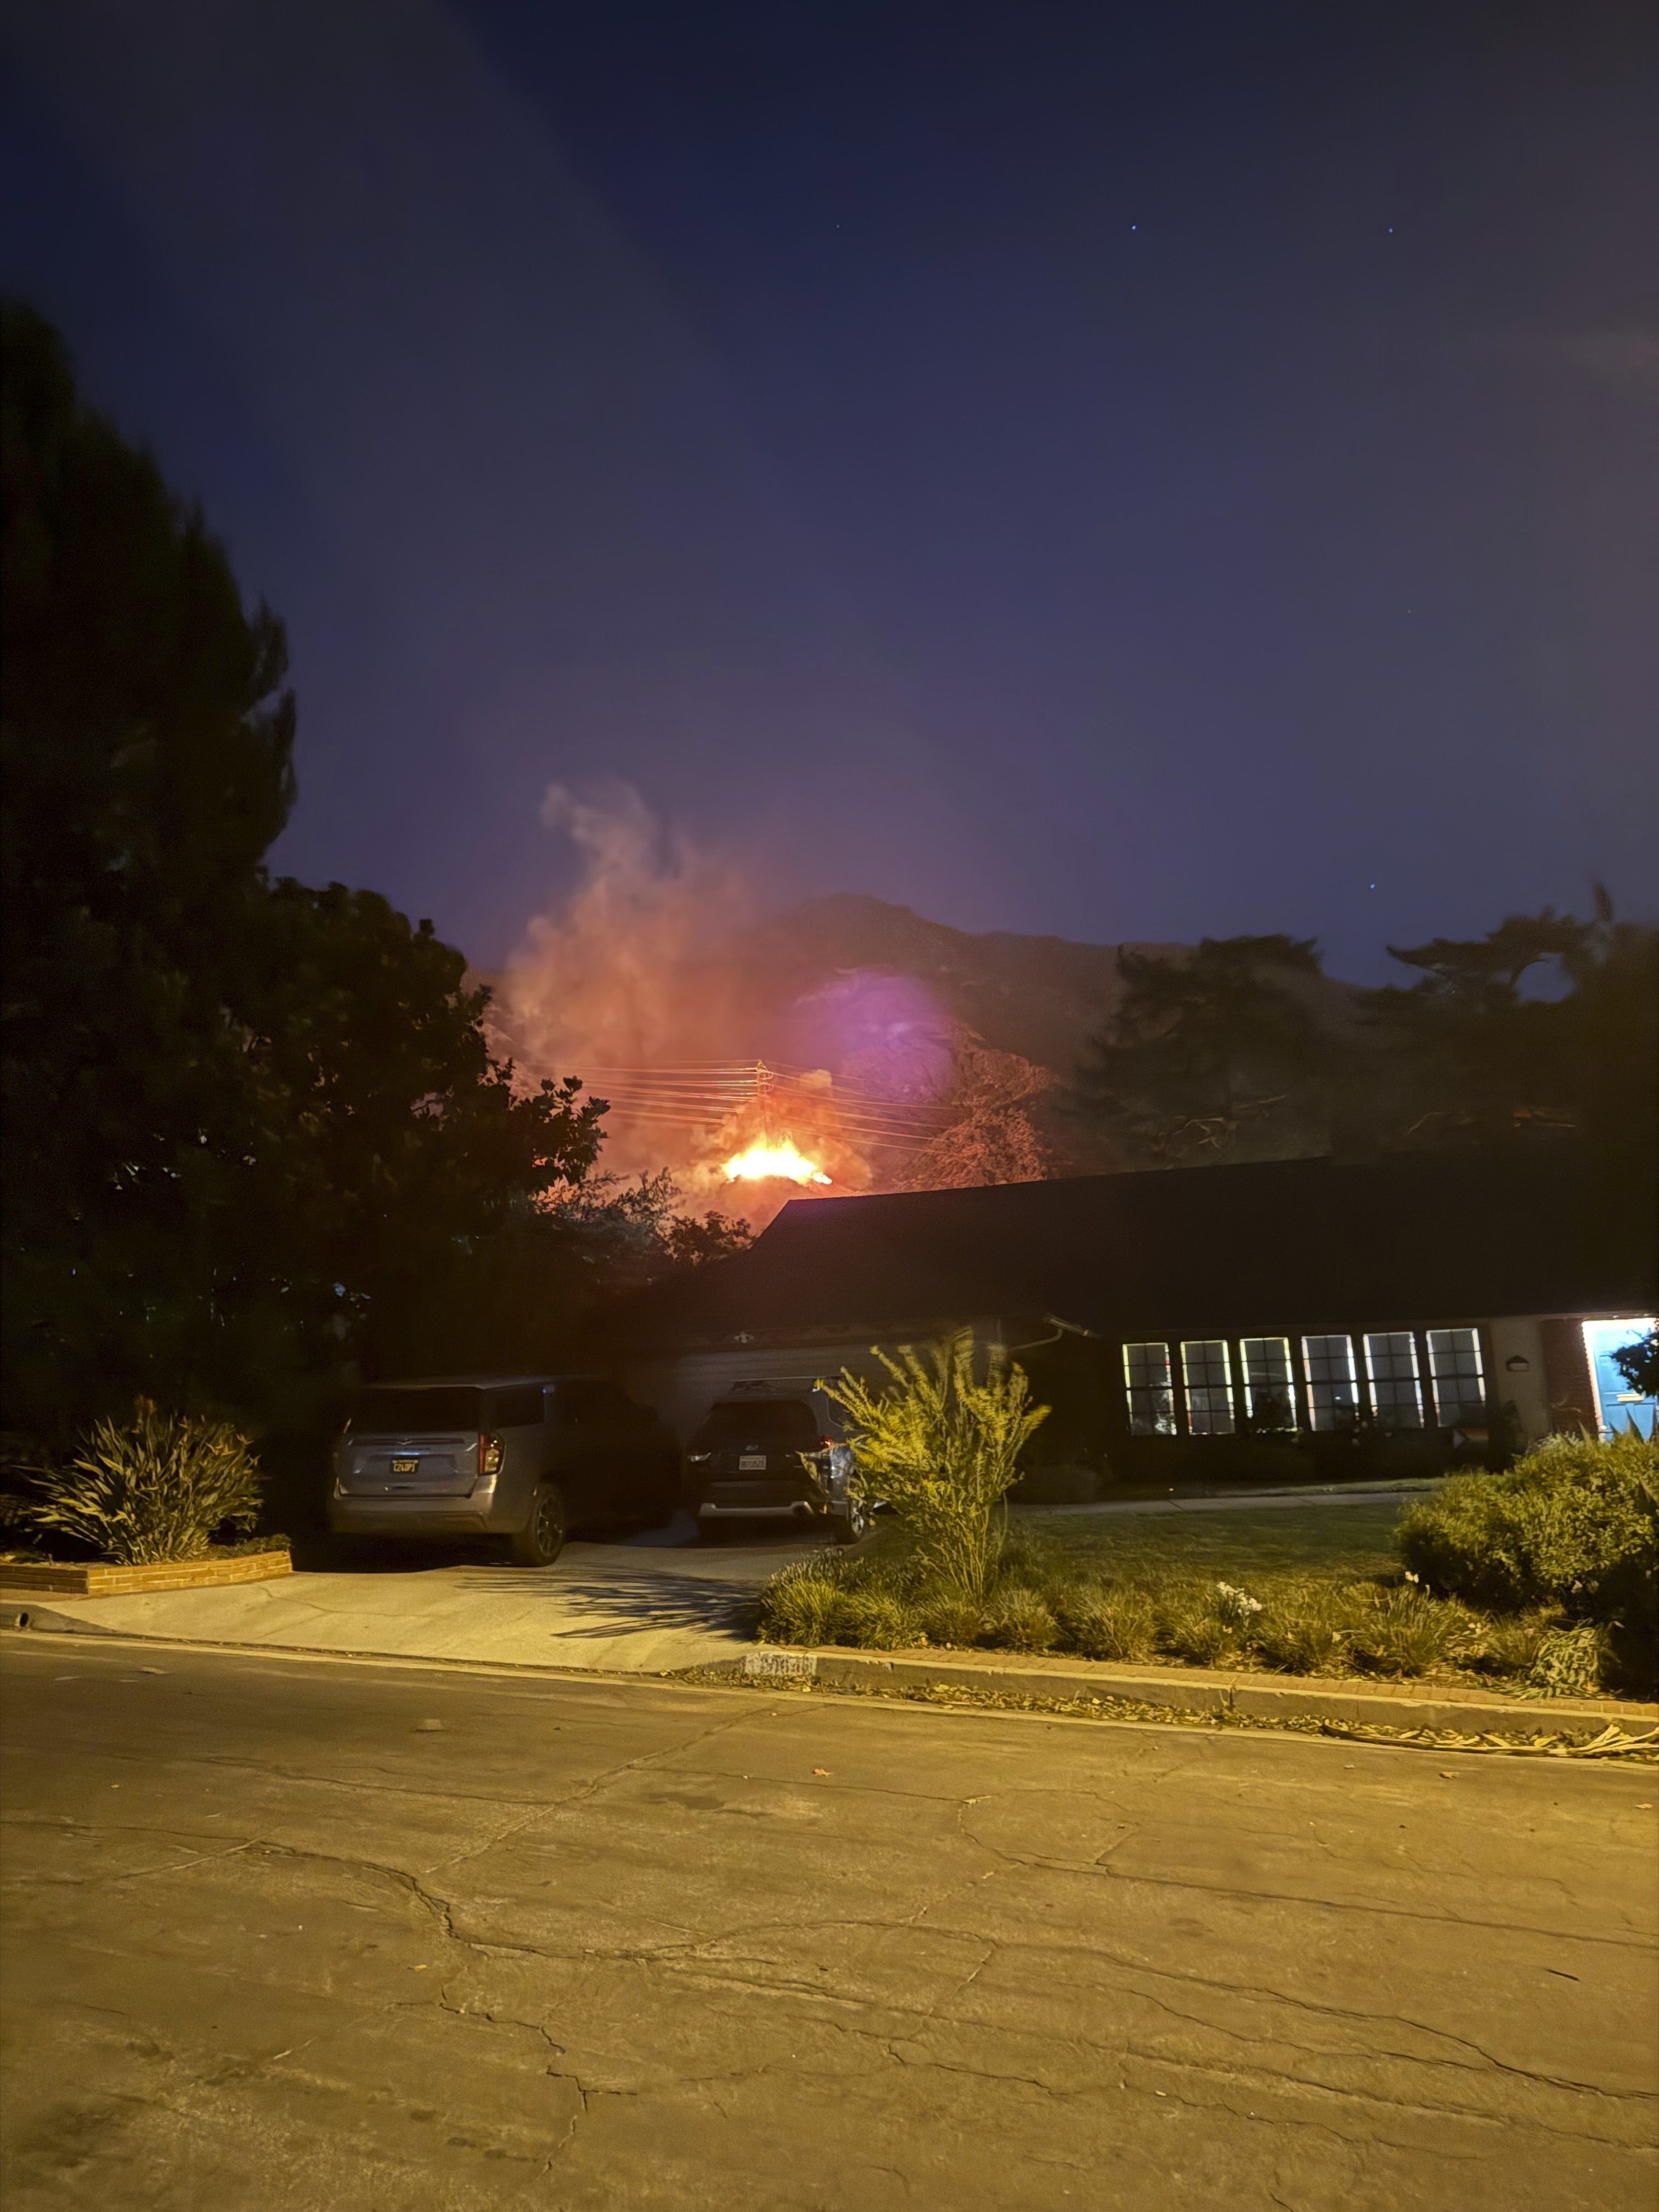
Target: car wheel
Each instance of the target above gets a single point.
(847, 1528)
(541, 1540)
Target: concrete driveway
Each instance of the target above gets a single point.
(654, 1603)
(284, 1935)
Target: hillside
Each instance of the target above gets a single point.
(1040, 997)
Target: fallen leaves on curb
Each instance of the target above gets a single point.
(1612, 1741)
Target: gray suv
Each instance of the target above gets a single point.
(525, 1456)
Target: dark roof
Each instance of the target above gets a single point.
(1413, 1237)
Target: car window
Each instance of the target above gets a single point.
(516, 1408)
(401, 1412)
(787, 1422)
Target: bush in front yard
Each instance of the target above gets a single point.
(152, 1489)
(942, 1444)
(1575, 1523)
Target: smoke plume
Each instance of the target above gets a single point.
(617, 977)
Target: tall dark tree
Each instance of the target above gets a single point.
(1218, 1054)
(251, 1131)
(146, 739)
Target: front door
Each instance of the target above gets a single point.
(1617, 1405)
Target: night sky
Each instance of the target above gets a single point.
(1117, 471)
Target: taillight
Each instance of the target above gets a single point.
(489, 1454)
(826, 1443)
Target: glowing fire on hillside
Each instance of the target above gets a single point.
(763, 1161)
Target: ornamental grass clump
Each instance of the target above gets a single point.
(1196, 1626)
(942, 1446)
(800, 1603)
(1100, 1623)
(1304, 1632)
(1017, 1618)
(156, 1488)
(876, 1619)
(1406, 1632)
(948, 1620)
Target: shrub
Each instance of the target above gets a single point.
(942, 1446)
(1106, 1624)
(1406, 1632)
(1017, 1618)
(155, 1488)
(1574, 1523)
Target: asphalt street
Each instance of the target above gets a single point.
(285, 1933)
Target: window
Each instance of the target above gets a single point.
(763, 1422)
(414, 1410)
(1396, 1390)
(1333, 1390)
(516, 1408)
(1269, 1386)
(1146, 1386)
(1206, 1370)
(1460, 1384)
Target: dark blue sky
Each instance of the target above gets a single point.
(1121, 471)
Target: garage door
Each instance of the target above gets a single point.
(684, 1390)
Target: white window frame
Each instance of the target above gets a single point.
(1136, 1389)
(1326, 1419)
(1204, 1418)
(1463, 1411)
(1388, 1406)
(1258, 1387)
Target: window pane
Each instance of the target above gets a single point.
(1146, 1387)
(1206, 1370)
(1460, 1385)
(1396, 1392)
(389, 1411)
(1333, 1389)
(1269, 1388)
(515, 1409)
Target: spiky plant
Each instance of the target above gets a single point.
(153, 1488)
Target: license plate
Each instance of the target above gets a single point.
(753, 1463)
(405, 1466)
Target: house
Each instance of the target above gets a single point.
(1421, 1290)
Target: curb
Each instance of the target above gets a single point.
(42, 1617)
(1198, 1690)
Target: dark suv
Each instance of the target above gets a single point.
(771, 1455)
(525, 1456)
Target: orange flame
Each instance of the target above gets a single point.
(762, 1160)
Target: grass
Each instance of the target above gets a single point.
(1340, 1543)
(1300, 1589)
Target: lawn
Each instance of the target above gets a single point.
(1335, 1543)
